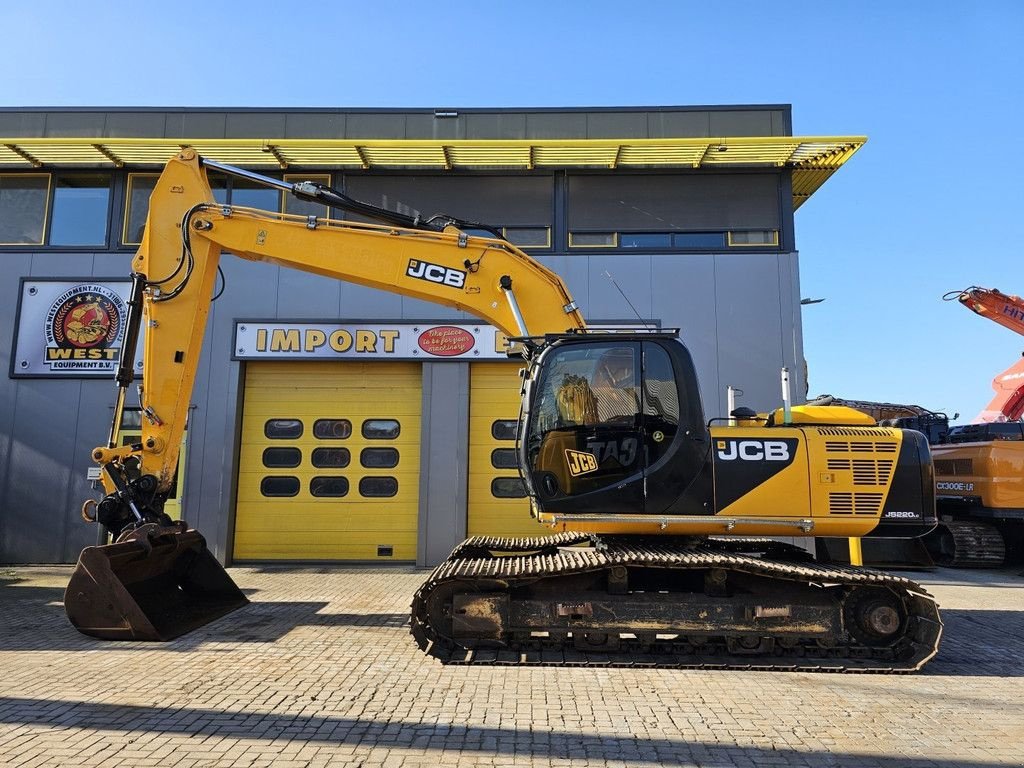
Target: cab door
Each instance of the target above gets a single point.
(585, 445)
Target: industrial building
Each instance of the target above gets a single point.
(336, 422)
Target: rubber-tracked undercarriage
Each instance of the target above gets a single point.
(577, 600)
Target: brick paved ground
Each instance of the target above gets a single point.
(320, 670)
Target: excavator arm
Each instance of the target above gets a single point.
(175, 275)
(159, 580)
(1008, 311)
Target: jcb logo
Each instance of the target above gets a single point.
(580, 463)
(753, 450)
(435, 273)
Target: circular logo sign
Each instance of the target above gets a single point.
(83, 329)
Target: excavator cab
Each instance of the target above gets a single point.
(614, 425)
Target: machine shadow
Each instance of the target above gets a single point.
(34, 620)
(443, 737)
(975, 643)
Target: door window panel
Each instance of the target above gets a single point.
(332, 429)
(279, 486)
(378, 487)
(381, 429)
(283, 429)
(337, 458)
(328, 487)
(379, 458)
(282, 457)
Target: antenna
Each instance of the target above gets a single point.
(638, 317)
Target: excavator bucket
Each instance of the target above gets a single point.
(149, 590)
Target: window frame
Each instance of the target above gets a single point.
(47, 204)
(730, 244)
(115, 188)
(127, 206)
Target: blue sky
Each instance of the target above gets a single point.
(931, 204)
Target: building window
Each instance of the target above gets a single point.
(81, 204)
(593, 239)
(292, 204)
(252, 194)
(702, 240)
(528, 237)
(140, 187)
(768, 237)
(23, 199)
(651, 240)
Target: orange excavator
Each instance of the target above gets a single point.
(979, 467)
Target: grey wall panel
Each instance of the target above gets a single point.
(491, 199)
(741, 123)
(750, 341)
(22, 124)
(695, 124)
(375, 126)
(556, 125)
(61, 264)
(631, 274)
(95, 413)
(134, 124)
(617, 125)
(303, 125)
(682, 297)
(415, 309)
(67, 124)
(792, 318)
(357, 301)
(496, 126)
(196, 125)
(307, 296)
(575, 273)
(15, 264)
(444, 460)
(112, 264)
(255, 125)
(41, 470)
(629, 201)
(426, 126)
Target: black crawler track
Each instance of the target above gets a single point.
(969, 544)
(491, 566)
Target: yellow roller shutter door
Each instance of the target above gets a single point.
(497, 503)
(329, 462)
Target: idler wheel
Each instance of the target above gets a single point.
(874, 617)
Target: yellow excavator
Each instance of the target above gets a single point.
(658, 552)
